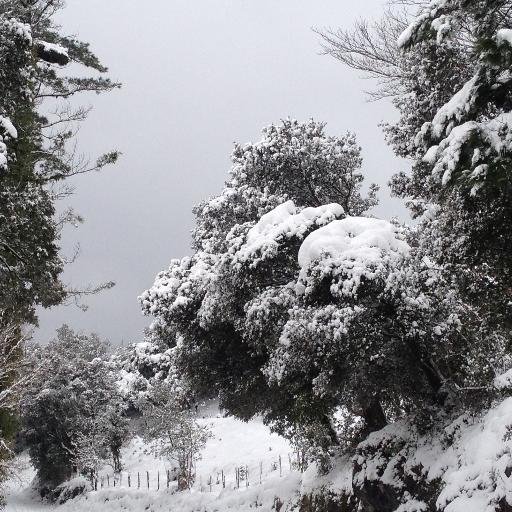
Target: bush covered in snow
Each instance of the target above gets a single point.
(173, 432)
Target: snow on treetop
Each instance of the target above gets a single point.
(353, 248)
(282, 223)
(440, 23)
(17, 28)
(179, 285)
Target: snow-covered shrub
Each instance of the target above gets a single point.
(70, 489)
(173, 432)
(144, 365)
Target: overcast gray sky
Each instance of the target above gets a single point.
(197, 75)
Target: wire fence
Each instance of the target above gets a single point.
(240, 476)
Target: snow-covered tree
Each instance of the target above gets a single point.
(36, 128)
(448, 68)
(13, 378)
(463, 154)
(143, 365)
(173, 432)
(246, 264)
(35, 150)
(293, 161)
(69, 398)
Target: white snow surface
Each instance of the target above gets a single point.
(357, 247)
(10, 132)
(22, 30)
(55, 48)
(282, 223)
(8, 127)
(234, 443)
(441, 24)
(455, 109)
(470, 456)
(504, 35)
(504, 381)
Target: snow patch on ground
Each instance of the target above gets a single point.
(470, 458)
(234, 444)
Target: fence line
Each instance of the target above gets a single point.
(241, 476)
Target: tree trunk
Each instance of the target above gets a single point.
(374, 416)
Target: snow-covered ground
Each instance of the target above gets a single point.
(234, 444)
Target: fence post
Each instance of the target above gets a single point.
(246, 476)
(223, 480)
(108, 481)
(158, 481)
(129, 480)
(147, 477)
(280, 467)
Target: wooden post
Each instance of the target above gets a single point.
(167, 472)
(102, 482)
(246, 476)
(210, 483)
(114, 478)
(108, 480)
(261, 470)
(129, 480)
(147, 477)
(280, 467)
(223, 480)
(138, 480)
(158, 480)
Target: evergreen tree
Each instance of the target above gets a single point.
(296, 161)
(69, 399)
(34, 157)
(463, 154)
(225, 307)
(449, 76)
